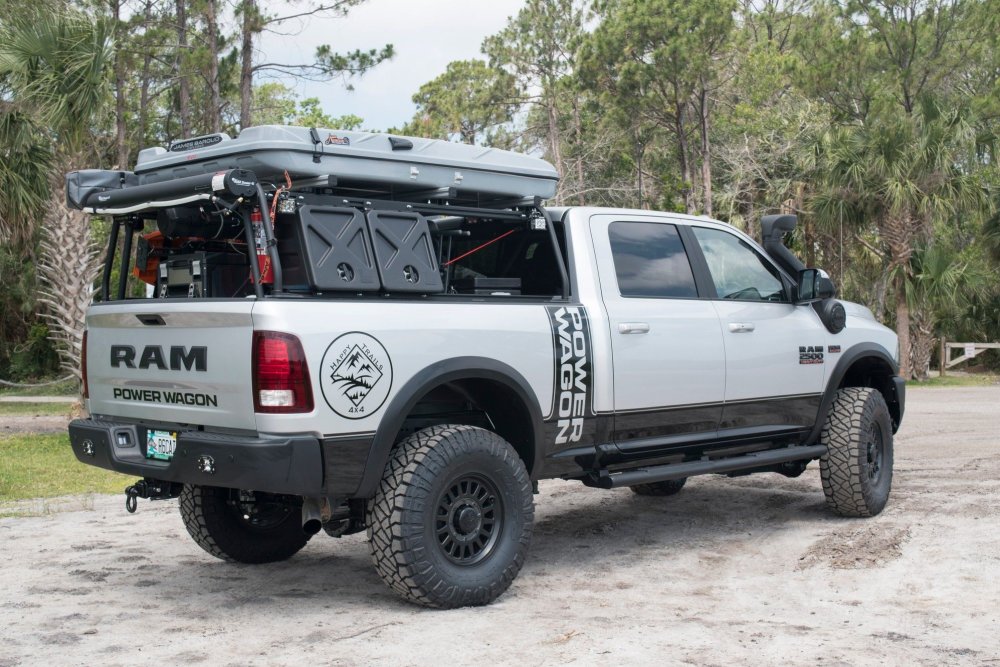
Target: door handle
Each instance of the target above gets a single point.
(741, 327)
(633, 328)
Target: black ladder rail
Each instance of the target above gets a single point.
(557, 249)
(126, 260)
(108, 259)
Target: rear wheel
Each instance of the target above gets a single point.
(857, 467)
(667, 488)
(450, 523)
(242, 526)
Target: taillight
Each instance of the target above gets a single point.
(83, 366)
(280, 375)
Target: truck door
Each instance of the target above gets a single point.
(667, 347)
(774, 349)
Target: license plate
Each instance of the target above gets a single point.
(161, 445)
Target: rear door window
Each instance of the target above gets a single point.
(650, 261)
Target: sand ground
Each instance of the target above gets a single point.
(751, 570)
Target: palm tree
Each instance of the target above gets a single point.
(25, 165)
(940, 285)
(898, 175)
(53, 69)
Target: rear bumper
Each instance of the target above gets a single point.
(277, 464)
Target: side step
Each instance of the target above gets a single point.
(606, 480)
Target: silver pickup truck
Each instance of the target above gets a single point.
(332, 331)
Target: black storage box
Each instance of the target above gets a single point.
(482, 285)
(217, 275)
(325, 249)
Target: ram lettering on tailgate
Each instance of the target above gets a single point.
(180, 357)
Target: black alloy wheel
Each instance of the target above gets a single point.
(469, 519)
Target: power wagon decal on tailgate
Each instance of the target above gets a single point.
(573, 372)
(356, 375)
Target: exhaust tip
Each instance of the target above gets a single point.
(312, 526)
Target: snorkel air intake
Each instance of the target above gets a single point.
(772, 230)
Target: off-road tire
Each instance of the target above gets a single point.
(857, 467)
(668, 488)
(414, 526)
(218, 528)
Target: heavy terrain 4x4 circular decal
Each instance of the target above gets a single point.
(356, 375)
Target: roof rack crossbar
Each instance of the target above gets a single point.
(436, 209)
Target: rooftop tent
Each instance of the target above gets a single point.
(364, 161)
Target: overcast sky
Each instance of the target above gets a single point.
(427, 35)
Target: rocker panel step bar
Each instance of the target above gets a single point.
(663, 473)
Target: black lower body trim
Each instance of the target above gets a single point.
(345, 458)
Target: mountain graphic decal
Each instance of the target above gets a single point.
(355, 375)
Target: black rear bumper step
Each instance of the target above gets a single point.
(606, 480)
(290, 464)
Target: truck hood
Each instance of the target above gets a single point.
(857, 310)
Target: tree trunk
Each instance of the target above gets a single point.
(467, 133)
(639, 150)
(922, 346)
(809, 241)
(578, 131)
(706, 151)
(683, 153)
(554, 146)
(67, 268)
(881, 290)
(180, 71)
(147, 60)
(121, 141)
(215, 96)
(903, 326)
(246, 63)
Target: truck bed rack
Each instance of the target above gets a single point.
(236, 193)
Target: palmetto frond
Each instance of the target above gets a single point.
(25, 164)
(55, 65)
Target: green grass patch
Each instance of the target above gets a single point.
(977, 380)
(43, 466)
(36, 409)
(67, 388)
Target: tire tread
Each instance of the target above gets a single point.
(395, 542)
(844, 483)
(214, 529)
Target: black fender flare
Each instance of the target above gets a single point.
(847, 359)
(450, 370)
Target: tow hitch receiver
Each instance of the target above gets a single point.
(153, 489)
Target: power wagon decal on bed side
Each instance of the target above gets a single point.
(356, 375)
(572, 409)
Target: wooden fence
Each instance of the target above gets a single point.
(968, 351)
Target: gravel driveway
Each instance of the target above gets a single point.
(731, 571)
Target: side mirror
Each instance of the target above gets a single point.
(814, 285)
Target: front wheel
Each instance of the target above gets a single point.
(857, 467)
(451, 521)
(242, 526)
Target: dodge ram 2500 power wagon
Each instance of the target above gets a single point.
(320, 330)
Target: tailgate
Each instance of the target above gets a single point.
(184, 362)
